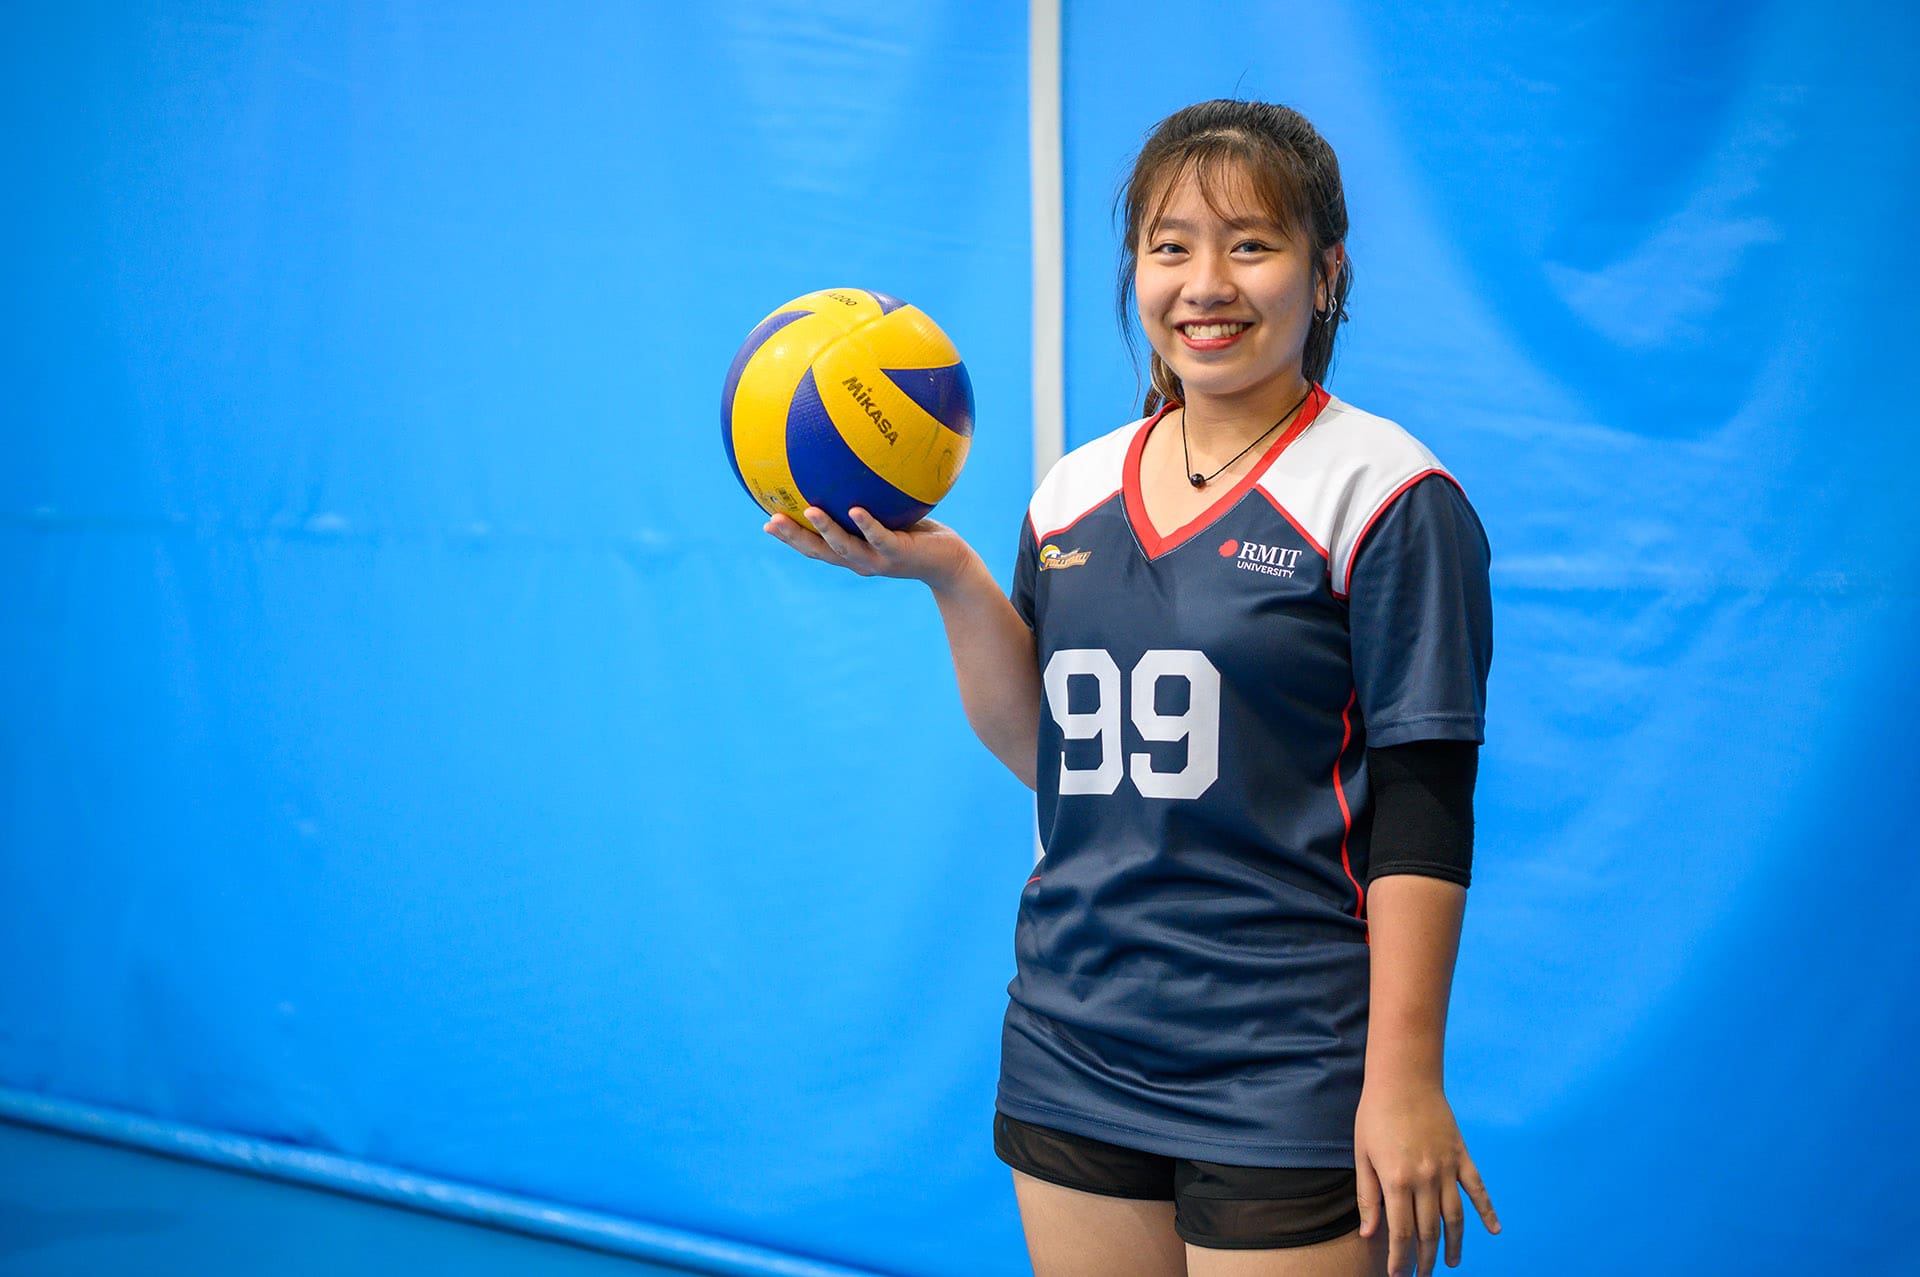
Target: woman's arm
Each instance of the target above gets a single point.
(994, 658)
(1414, 930)
(996, 666)
(1407, 1147)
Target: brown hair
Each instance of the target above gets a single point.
(1293, 173)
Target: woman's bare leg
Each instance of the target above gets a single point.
(1348, 1256)
(1076, 1234)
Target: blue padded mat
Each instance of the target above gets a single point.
(77, 1208)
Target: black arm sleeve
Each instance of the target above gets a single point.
(1423, 809)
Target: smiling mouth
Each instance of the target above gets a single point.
(1212, 332)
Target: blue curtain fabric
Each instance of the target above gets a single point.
(413, 747)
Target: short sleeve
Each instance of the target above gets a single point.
(1025, 568)
(1420, 616)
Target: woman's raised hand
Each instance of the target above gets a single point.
(927, 551)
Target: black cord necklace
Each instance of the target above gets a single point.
(1199, 480)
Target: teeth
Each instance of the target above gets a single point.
(1208, 332)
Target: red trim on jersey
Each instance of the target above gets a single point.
(1143, 530)
(1346, 814)
(1346, 582)
(1032, 880)
(1039, 540)
(1287, 514)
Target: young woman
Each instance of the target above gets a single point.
(1244, 668)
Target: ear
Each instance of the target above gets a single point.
(1332, 262)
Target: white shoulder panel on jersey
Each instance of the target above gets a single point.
(1081, 480)
(1341, 475)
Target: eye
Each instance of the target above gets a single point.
(1165, 247)
(1252, 246)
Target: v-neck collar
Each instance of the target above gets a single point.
(1143, 530)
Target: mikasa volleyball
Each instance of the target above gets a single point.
(847, 397)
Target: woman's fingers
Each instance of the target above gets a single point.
(1414, 1191)
(927, 551)
(803, 539)
(852, 549)
(1403, 1233)
(1455, 1219)
(832, 533)
(825, 540)
(1427, 1220)
(810, 542)
(1368, 1185)
(1477, 1192)
(877, 534)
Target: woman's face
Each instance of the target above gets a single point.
(1226, 298)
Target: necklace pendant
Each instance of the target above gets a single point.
(1198, 481)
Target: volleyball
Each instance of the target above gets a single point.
(843, 398)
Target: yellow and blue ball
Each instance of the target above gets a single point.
(843, 398)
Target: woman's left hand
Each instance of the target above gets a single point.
(1409, 1157)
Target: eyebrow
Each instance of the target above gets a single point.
(1231, 223)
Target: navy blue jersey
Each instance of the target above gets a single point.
(1192, 957)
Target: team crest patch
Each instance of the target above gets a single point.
(1052, 556)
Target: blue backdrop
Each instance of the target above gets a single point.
(413, 750)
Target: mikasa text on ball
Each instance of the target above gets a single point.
(844, 398)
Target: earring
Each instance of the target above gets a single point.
(1333, 296)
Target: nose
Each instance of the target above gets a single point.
(1208, 281)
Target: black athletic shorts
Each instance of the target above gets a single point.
(1216, 1206)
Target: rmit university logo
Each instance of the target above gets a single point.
(1274, 560)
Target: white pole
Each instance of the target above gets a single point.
(1049, 231)
(1049, 248)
